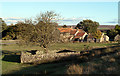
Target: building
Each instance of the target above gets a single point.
(79, 35)
(90, 38)
(117, 37)
(104, 38)
(70, 34)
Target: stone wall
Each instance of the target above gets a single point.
(41, 57)
(28, 57)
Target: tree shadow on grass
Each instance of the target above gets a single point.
(65, 51)
(11, 56)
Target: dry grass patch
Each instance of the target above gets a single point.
(76, 69)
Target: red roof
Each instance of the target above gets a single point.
(80, 30)
(72, 32)
(80, 34)
(66, 30)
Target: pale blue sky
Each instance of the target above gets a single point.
(106, 13)
(59, 0)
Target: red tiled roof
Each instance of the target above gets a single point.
(80, 30)
(80, 34)
(66, 30)
(72, 32)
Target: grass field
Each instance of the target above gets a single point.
(57, 46)
(108, 63)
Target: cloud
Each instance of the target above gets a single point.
(14, 20)
(112, 22)
(61, 21)
(71, 21)
(115, 21)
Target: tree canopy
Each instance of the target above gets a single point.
(10, 33)
(113, 32)
(97, 34)
(4, 25)
(64, 26)
(88, 26)
(117, 28)
(41, 33)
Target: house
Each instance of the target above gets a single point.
(104, 38)
(65, 34)
(79, 35)
(117, 37)
(90, 38)
(70, 34)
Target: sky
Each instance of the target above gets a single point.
(71, 13)
(59, 0)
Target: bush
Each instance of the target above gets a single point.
(10, 33)
(76, 69)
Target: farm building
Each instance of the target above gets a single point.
(104, 38)
(117, 37)
(69, 34)
(79, 35)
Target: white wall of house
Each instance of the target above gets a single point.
(84, 35)
(117, 37)
(76, 32)
(102, 38)
(106, 38)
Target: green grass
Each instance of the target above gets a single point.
(57, 46)
(103, 28)
(8, 67)
(15, 47)
(11, 65)
(78, 46)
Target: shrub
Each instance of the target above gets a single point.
(76, 69)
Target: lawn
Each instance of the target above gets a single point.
(11, 62)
